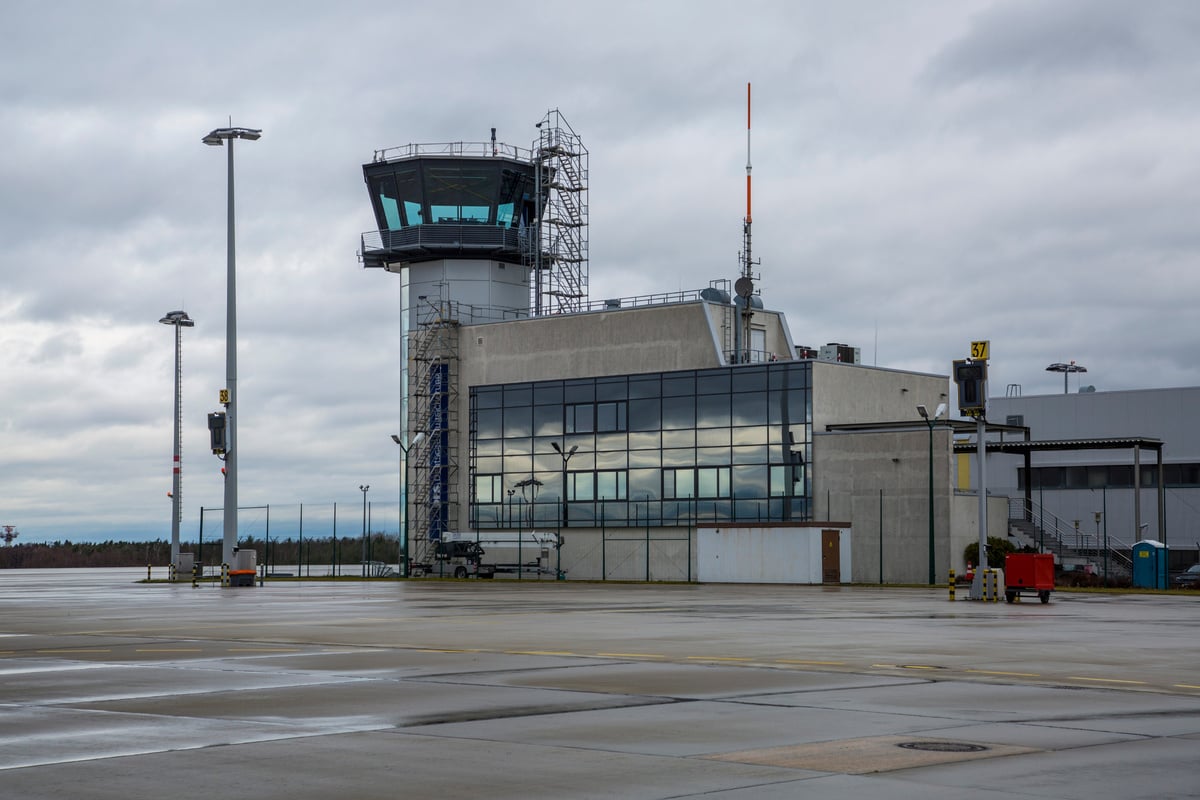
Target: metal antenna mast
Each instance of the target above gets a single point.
(744, 287)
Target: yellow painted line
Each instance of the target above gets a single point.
(811, 663)
(917, 666)
(168, 650)
(717, 658)
(884, 666)
(630, 655)
(998, 672)
(90, 650)
(1186, 686)
(539, 652)
(1104, 680)
(263, 650)
(438, 650)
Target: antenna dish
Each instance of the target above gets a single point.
(743, 287)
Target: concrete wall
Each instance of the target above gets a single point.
(768, 554)
(628, 554)
(878, 482)
(845, 393)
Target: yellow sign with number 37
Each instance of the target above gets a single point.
(980, 351)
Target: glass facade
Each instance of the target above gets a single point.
(666, 448)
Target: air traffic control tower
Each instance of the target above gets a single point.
(477, 232)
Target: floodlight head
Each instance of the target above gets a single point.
(395, 438)
(217, 137)
(557, 449)
(179, 318)
(418, 437)
(574, 447)
(941, 409)
(923, 411)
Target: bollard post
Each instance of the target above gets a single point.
(224, 576)
(951, 585)
(196, 574)
(171, 573)
(147, 573)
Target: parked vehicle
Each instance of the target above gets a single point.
(1189, 578)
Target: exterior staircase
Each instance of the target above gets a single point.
(1073, 548)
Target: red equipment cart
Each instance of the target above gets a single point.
(1028, 573)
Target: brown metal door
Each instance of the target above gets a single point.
(831, 557)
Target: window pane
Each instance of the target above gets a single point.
(644, 415)
(518, 422)
(750, 481)
(712, 411)
(521, 395)
(679, 385)
(1076, 477)
(488, 398)
(547, 420)
(713, 382)
(579, 391)
(643, 482)
(679, 412)
(489, 423)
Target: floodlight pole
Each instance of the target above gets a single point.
(404, 547)
(217, 138)
(180, 320)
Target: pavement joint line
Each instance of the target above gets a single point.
(264, 650)
(85, 650)
(633, 655)
(1104, 680)
(811, 663)
(540, 653)
(718, 658)
(167, 650)
(999, 672)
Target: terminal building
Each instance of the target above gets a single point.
(650, 432)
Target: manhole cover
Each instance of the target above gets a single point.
(943, 747)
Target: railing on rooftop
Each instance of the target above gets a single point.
(469, 149)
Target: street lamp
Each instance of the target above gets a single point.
(364, 489)
(404, 571)
(217, 138)
(1066, 370)
(929, 422)
(180, 320)
(566, 456)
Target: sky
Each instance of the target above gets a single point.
(926, 174)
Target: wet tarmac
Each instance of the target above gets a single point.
(110, 688)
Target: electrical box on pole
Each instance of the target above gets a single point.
(216, 432)
(971, 377)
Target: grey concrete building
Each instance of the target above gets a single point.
(625, 425)
(1092, 491)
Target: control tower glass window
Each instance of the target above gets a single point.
(400, 198)
(462, 193)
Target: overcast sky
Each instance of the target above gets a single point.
(925, 173)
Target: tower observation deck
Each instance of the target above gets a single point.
(486, 202)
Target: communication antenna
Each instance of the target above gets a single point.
(744, 286)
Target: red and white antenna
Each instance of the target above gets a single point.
(744, 287)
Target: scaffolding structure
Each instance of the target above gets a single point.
(560, 259)
(433, 409)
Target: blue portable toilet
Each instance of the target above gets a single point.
(1149, 565)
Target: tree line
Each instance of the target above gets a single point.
(289, 551)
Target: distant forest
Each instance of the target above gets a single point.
(343, 550)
